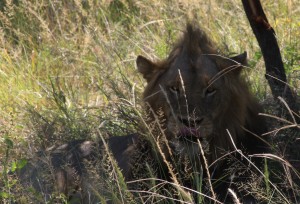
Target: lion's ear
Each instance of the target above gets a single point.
(145, 67)
(233, 64)
(241, 58)
(239, 61)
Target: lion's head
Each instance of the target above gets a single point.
(199, 94)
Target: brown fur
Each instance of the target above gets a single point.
(231, 107)
(199, 94)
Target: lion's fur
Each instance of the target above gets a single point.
(230, 116)
(236, 111)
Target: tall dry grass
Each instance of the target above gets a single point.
(67, 68)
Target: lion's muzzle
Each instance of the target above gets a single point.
(189, 133)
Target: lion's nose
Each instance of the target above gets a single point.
(190, 122)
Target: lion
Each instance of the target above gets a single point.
(201, 95)
(199, 110)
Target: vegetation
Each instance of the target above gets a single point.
(67, 68)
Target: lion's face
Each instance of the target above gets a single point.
(194, 94)
(192, 102)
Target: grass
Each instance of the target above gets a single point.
(67, 68)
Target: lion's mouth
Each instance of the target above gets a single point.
(187, 133)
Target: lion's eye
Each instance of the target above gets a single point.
(210, 91)
(174, 89)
